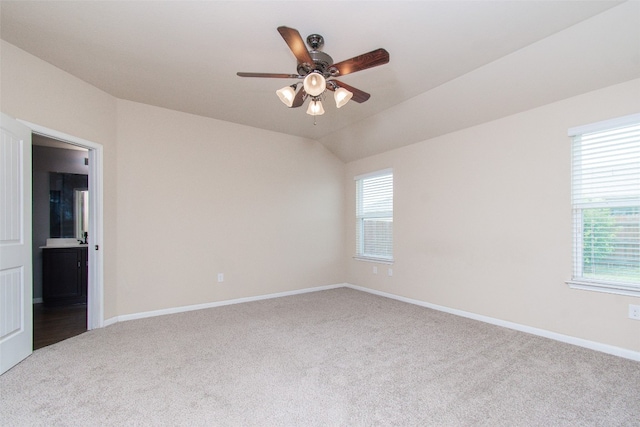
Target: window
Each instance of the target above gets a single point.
(606, 206)
(374, 216)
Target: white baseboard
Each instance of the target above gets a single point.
(183, 309)
(110, 321)
(592, 345)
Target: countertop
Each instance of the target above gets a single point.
(56, 243)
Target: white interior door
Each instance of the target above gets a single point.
(16, 317)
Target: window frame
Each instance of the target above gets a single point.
(578, 281)
(360, 255)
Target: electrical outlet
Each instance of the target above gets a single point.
(220, 277)
(634, 312)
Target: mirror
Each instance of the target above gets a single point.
(68, 205)
(81, 217)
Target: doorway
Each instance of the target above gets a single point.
(60, 176)
(92, 314)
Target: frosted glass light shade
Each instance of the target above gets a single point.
(287, 95)
(314, 84)
(342, 96)
(315, 108)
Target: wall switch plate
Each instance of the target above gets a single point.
(220, 277)
(375, 269)
(390, 272)
(634, 312)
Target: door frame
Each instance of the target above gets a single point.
(95, 287)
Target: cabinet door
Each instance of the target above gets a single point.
(61, 275)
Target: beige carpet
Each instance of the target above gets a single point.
(332, 358)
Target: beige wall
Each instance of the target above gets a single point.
(186, 197)
(482, 222)
(198, 196)
(35, 91)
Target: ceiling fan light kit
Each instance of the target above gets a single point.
(315, 108)
(314, 84)
(317, 71)
(342, 96)
(287, 94)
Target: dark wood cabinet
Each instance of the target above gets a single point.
(64, 275)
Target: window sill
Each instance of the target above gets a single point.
(610, 288)
(373, 259)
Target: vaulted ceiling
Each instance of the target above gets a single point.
(453, 64)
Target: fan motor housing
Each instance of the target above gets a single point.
(321, 61)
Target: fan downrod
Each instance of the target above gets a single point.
(315, 41)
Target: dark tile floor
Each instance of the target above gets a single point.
(53, 324)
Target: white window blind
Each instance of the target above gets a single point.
(606, 209)
(374, 216)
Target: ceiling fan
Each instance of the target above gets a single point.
(318, 73)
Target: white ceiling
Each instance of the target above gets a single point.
(452, 64)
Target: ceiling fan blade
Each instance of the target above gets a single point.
(270, 75)
(296, 44)
(358, 95)
(299, 99)
(362, 62)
